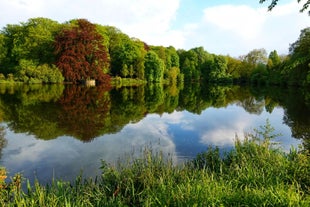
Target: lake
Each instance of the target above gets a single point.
(61, 131)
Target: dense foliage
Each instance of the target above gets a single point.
(254, 173)
(80, 53)
(82, 50)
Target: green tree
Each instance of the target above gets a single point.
(174, 75)
(162, 54)
(125, 71)
(169, 56)
(154, 97)
(260, 74)
(194, 64)
(154, 67)
(30, 72)
(3, 50)
(189, 65)
(218, 70)
(298, 66)
(302, 45)
(131, 71)
(30, 44)
(125, 51)
(273, 59)
(32, 40)
(12, 35)
(174, 57)
(251, 61)
(203, 61)
(234, 67)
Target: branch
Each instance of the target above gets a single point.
(275, 2)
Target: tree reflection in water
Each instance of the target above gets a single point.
(3, 141)
(88, 112)
(84, 111)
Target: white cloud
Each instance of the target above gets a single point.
(242, 20)
(173, 118)
(225, 135)
(67, 156)
(148, 20)
(237, 29)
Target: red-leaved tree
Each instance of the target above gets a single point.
(81, 54)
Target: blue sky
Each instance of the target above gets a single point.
(220, 26)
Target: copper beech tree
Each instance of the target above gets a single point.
(81, 54)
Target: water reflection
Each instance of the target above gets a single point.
(53, 130)
(84, 111)
(3, 141)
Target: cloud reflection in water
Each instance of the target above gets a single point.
(180, 134)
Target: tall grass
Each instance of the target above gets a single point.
(254, 173)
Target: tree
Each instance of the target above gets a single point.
(302, 45)
(80, 52)
(125, 71)
(233, 67)
(3, 55)
(32, 40)
(174, 75)
(256, 56)
(125, 51)
(30, 72)
(29, 51)
(273, 59)
(175, 62)
(3, 49)
(169, 56)
(218, 69)
(298, 66)
(275, 2)
(189, 64)
(154, 67)
(85, 111)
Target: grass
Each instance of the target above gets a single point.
(255, 173)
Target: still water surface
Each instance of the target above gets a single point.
(58, 131)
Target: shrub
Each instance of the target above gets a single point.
(30, 72)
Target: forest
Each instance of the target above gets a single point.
(42, 50)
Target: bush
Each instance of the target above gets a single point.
(30, 72)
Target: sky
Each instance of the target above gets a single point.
(227, 27)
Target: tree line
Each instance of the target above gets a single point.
(42, 50)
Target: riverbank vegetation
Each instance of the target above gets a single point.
(255, 173)
(42, 50)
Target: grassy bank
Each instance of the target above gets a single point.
(255, 173)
